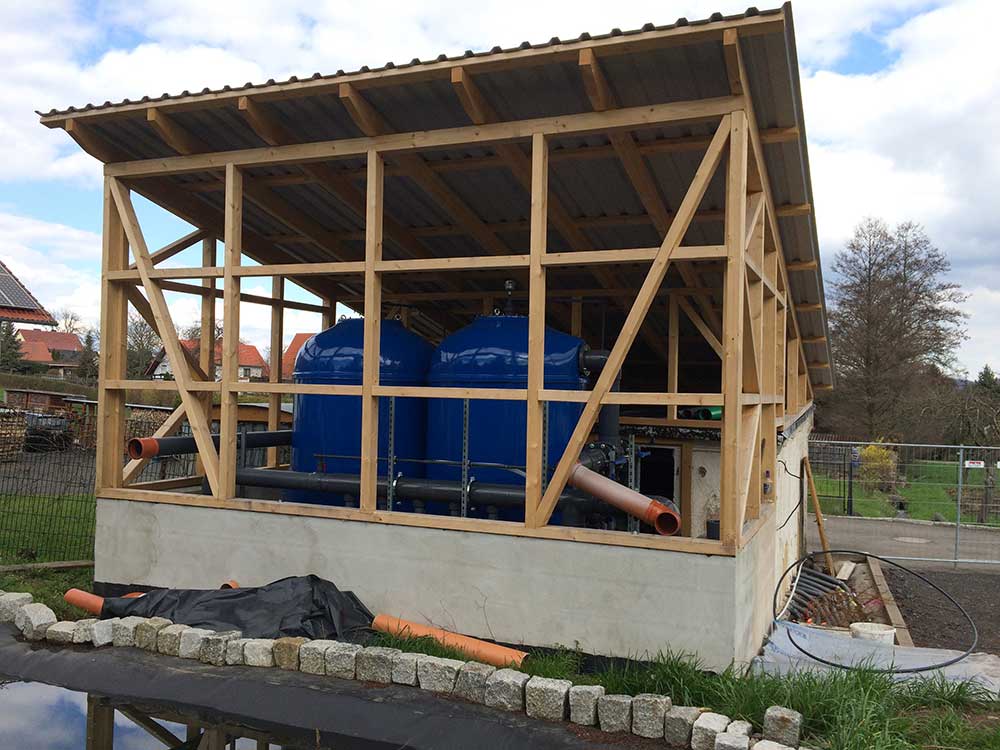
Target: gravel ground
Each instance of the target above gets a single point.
(934, 621)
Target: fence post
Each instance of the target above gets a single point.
(958, 503)
(850, 483)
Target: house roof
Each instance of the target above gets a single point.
(652, 65)
(18, 304)
(291, 352)
(249, 355)
(36, 351)
(52, 340)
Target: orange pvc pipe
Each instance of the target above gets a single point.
(488, 653)
(145, 447)
(85, 601)
(665, 520)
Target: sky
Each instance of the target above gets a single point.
(901, 102)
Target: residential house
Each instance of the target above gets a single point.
(57, 351)
(252, 366)
(291, 352)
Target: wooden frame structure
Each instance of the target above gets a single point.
(765, 375)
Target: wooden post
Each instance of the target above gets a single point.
(534, 467)
(576, 317)
(100, 724)
(206, 344)
(372, 327)
(112, 362)
(329, 312)
(732, 332)
(230, 333)
(275, 375)
(673, 352)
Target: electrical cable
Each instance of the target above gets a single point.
(801, 497)
(797, 565)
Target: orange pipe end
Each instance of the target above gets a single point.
(488, 653)
(662, 518)
(85, 601)
(146, 447)
(132, 595)
(230, 584)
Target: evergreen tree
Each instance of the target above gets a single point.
(11, 357)
(87, 367)
(988, 380)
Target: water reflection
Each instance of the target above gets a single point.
(43, 717)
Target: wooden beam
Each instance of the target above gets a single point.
(535, 469)
(793, 209)
(275, 374)
(100, 724)
(175, 247)
(93, 143)
(112, 357)
(730, 51)
(170, 426)
(171, 343)
(630, 118)
(701, 325)
(733, 327)
(152, 727)
(673, 351)
(228, 415)
(802, 265)
(372, 333)
(630, 328)
(174, 135)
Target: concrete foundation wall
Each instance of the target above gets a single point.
(608, 600)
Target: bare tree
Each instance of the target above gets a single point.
(68, 321)
(895, 324)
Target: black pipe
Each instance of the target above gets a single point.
(183, 445)
(406, 488)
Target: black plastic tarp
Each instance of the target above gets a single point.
(305, 606)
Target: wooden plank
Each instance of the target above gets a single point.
(429, 391)
(535, 470)
(171, 343)
(195, 386)
(673, 352)
(846, 568)
(418, 520)
(802, 265)
(315, 389)
(733, 329)
(228, 418)
(746, 457)
(112, 357)
(903, 637)
(700, 324)
(635, 399)
(643, 301)
(206, 342)
(275, 375)
(633, 255)
(372, 333)
(818, 511)
(348, 268)
(69, 564)
(630, 118)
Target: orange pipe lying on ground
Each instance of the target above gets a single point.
(85, 600)
(488, 653)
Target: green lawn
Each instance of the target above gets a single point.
(48, 587)
(930, 489)
(46, 528)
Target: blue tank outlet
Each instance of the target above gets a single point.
(492, 352)
(327, 429)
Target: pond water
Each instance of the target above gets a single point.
(43, 717)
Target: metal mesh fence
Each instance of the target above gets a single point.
(935, 503)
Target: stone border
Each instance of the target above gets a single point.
(646, 715)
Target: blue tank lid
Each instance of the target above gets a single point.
(336, 354)
(494, 349)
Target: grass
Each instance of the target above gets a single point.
(46, 528)
(929, 491)
(48, 587)
(859, 710)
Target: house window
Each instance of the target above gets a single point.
(244, 372)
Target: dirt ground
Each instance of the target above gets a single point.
(934, 621)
